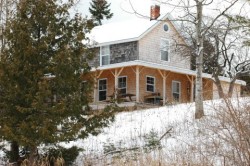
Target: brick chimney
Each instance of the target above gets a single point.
(154, 12)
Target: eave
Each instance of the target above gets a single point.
(162, 67)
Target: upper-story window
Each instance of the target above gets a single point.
(165, 27)
(104, 55)
(164, 49)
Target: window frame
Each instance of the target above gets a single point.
(179, 83)
(163, 49)
(125, 84)
(104, 55)
(150, 84)
(102, 89)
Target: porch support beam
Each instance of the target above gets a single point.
(116, 75)
(164, 90)
(137, 73)
(164, 78)
(191, 80)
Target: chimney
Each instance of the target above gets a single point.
(154, 12)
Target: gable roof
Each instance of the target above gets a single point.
(126, 31)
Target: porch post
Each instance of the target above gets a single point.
(116, 83)
(191, 80)
(95, 90)
(116, 74)
(137, 84)
(192, 89)
(96, 77)
(164, 89)
(164, 78)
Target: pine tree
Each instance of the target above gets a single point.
(41, 91)
(100, 10)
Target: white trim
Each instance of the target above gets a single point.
(161, 67)
(173, 81)
(102, 90)
(150, 84)
(115, 42)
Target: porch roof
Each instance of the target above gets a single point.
(161, 67)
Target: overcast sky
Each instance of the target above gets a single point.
(120, 8)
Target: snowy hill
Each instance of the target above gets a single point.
(171, 136)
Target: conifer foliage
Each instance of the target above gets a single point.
(41, 91)
(100, 10)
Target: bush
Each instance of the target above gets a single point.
(60, 153)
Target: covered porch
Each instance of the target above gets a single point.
(145, 82)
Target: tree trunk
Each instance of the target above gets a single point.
(33, 155)
(219, 87)
(14, 153)
(231, 87)
(199, 112)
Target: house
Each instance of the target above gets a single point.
(139, 59)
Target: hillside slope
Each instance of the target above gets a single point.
(171, 136)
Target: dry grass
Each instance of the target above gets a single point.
(221, 138)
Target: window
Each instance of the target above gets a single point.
(176, 90)
(165, 27)
(164, 50)
(102, 87)
(104, 55)
(122, 85)
(150, 84)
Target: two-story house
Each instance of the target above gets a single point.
(139, 58)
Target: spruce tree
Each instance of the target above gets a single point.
(42, 97)
(100, 10)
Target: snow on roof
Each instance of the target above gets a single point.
(126, 31)
(119, 32)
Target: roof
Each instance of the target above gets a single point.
(126, 31)
(162, 67)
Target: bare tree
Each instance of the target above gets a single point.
(230, 57)
(224, 50)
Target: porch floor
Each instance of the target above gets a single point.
(102, 105)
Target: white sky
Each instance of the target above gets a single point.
(119, 8)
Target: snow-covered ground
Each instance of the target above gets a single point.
(168, 132)
(133, 129)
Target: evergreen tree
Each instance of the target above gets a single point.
(41, 91)
(100, 10)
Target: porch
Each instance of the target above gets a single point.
(144, 82)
